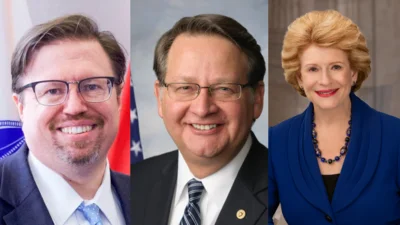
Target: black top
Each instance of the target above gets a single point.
(330, 184)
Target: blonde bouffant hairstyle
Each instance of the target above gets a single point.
(325, 29)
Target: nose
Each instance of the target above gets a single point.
(203, 105)
(325, 77)
(74, 104)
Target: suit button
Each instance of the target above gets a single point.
(328, 218)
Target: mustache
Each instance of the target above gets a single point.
(99, 121)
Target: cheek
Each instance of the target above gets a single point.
(308, 82)
(174, 111)
(37, 122)
(111, 112)
(346, 80)
(240, 115)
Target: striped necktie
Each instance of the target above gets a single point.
(192, 214)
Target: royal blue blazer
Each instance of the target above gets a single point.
(368, 188)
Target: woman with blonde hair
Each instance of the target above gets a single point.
(338, 162)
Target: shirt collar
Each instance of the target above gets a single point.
(61, 199)
(218, 184)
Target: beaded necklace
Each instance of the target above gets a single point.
(343, 150)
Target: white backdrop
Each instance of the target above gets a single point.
(149, 20)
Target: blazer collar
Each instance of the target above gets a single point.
(120, 184)
(249, 191)
(19, 190)
(359, 165)
(162, 193)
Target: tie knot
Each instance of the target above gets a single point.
(91, 213)
(195, 189)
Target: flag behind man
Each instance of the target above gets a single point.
(119, 153)
(136, 146)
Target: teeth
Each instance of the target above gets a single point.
(76, 130)
(326, 92)
(204, 127)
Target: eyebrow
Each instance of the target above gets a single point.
(315, 64)
(190, 79)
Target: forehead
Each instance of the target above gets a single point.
(211, 57)
(68, 60)
(315, 54)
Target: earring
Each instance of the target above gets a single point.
(354, 83)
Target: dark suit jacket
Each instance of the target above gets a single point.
(367, 191)
(20, 199)
(153, 184)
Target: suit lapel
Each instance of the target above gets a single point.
(303, 164)
(249, 191)
(119, 182)
(31, 211)
(363, 155)
(19, 190)
(159, 203)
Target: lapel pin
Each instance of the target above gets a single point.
(240, 214)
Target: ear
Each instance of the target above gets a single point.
(354, 76)
(157, 93)
(121, 97)
(298, 78)
(258, 99)
(20, 106)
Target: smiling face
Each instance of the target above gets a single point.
(326, 76)
(204, 128)
(74, 132)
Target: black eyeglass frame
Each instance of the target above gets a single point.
(32, 85)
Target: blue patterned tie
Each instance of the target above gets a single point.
(91, 213)
(192, 214)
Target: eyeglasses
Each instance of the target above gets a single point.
(221, 92)
(54, 92)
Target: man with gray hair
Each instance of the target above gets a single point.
(210, 91)
(66, 81)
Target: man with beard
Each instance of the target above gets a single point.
(210, 90)
(66, 81)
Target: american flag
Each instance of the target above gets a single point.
(136, 146)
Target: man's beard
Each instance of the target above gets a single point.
(67, 153)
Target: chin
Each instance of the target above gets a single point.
(79, 155)
(82, 159)
(205, 151)
(326, 106)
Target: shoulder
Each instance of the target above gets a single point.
(15, 164)
(389, 121)
(120, 177)
(278, 131)
(258, 152)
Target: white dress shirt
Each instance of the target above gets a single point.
(62, 200)
(216, 188)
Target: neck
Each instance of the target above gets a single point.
(85, 180)
(327, 117)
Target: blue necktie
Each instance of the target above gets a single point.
(91, 213)
(192, 214)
